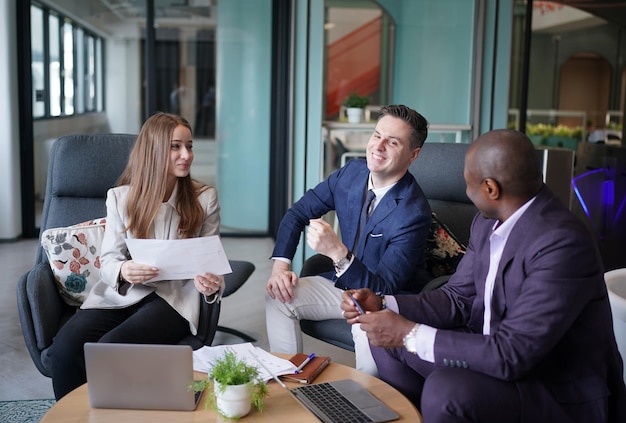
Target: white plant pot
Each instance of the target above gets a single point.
(235, 401)
(355, 114)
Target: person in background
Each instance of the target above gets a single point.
(386, 254)
(155, 198)
(522, 332)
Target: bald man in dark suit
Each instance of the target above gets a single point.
(522, 332)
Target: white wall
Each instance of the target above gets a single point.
(10, 198)
(123, 84)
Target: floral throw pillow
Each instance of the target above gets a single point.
(74, 256)
(443, 250)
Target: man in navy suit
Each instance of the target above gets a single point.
(522, 332)
(386, 255)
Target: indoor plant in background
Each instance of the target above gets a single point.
(355, 107)
(233, 386)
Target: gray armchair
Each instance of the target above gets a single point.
(439, 171)
(81, 170)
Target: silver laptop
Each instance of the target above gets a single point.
(340, 401)
(140, 376)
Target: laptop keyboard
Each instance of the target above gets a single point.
(335, 406)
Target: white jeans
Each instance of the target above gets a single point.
(315, 298)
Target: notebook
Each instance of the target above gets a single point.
(140, 376)
(308, 372)
(341, 401)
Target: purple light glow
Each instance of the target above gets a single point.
(577, 190)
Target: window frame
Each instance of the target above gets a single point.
(88, 96)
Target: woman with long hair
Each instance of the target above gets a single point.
(155, 197)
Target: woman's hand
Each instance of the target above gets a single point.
(208, 283)
(133, 272)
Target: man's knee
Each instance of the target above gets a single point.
(445, 392)
(275, 309)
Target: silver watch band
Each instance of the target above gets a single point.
(410, 340)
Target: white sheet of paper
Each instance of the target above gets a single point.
(181, 258)
(204, 358)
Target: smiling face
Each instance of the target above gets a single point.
(181, 153)
(389, 152)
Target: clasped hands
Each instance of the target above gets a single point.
(384, 328)
(137, 273)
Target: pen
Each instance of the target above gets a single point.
(304, 363)
(356, 304)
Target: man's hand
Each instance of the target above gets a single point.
(385, 329)
(366, 299)
(322, 238)
(281, 282)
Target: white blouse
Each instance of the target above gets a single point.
(182, 295)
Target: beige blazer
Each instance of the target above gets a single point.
(180, 294)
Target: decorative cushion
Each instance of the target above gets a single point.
(443, 249)
(74, 257)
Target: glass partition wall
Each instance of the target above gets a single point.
(573, 87)
(96, 67)
(570, 97)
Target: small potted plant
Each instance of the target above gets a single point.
(355, 105)
(233, 387)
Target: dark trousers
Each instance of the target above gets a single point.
(448, 394)
(151, 321)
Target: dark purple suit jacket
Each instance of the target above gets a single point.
(551, 328)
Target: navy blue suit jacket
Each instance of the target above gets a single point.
(389, 257)
(551, 326)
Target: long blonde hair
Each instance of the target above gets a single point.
(146, 174)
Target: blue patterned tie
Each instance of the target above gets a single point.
(369, 198)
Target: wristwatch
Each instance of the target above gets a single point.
(342, 263)
(410, 340)
(383, 302)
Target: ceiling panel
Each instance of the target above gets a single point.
(613, 11)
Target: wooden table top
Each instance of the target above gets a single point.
(279, 405)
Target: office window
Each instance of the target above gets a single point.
(54, 66)
(68, 68)
(80, 65)
(67, 65)
(90, 73)
(99, 77)
(37, 61)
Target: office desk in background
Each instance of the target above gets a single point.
(279, 405)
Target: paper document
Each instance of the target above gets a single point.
(203, 359)
(181, 258)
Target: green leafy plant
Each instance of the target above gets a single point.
(229, 370)
(355, 100)
(548, 130)
(614, 126)
(539, 129)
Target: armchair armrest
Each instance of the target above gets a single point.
(47, 309)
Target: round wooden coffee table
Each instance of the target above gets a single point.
(279, 405)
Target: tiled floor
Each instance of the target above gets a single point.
(244, 310)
